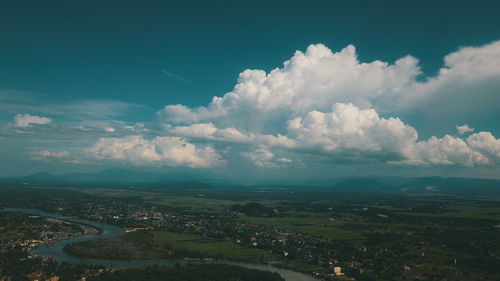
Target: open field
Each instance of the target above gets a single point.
(9, 234)
(223, 249)
(164, 245)
(207, 247)
(199, 204)
(313, 226)
(168, 245)
(194, 204)
(466, 212)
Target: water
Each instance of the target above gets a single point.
(107, 231)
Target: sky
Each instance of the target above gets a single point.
(251, 91)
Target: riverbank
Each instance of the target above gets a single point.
(168, 246)
(46, 229)
(56, 250)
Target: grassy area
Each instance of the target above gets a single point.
(9, 234)
(312, 226)
(221, 249)
(161, 244)
(194, 204)
(332, 233)
(156, 245)
(466, 212)
(198, 204)
(131, 246)
(225, 250)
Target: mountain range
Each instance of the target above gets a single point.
(431, 185)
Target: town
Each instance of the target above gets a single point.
(356, 240)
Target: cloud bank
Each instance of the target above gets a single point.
(322, 102)
(169, 151)
(325, 107)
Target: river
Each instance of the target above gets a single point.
(107, 231)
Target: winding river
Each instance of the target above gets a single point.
(107, 231)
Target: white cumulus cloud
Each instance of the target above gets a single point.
(349, 127)
(27, 120)
(465, 89)
(211, 132)
(362, 132)
(52, 154)
(445, 151)
(313, 80)
(464, 129)
(321, 106)
(331, 104)
(60, 156)
(168, 151)
(263, 157)
(486, 143)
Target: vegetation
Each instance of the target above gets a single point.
(195, 246)
(404, 233)
(195, 204)
(254, 209)
(134, 245)
(147, 245)
(16, 266)
(211, 272)
(321, 227)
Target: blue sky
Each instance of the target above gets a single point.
(86, 86)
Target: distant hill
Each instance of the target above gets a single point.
(253, 209)
(428, 185)
(114, 176)
(451, 185)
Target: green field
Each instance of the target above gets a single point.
(9, 234)
(225, 250)
(220, 249)
(465, 212)
(158, 244)
(198, 204)
(320, 227)
(194, 204)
